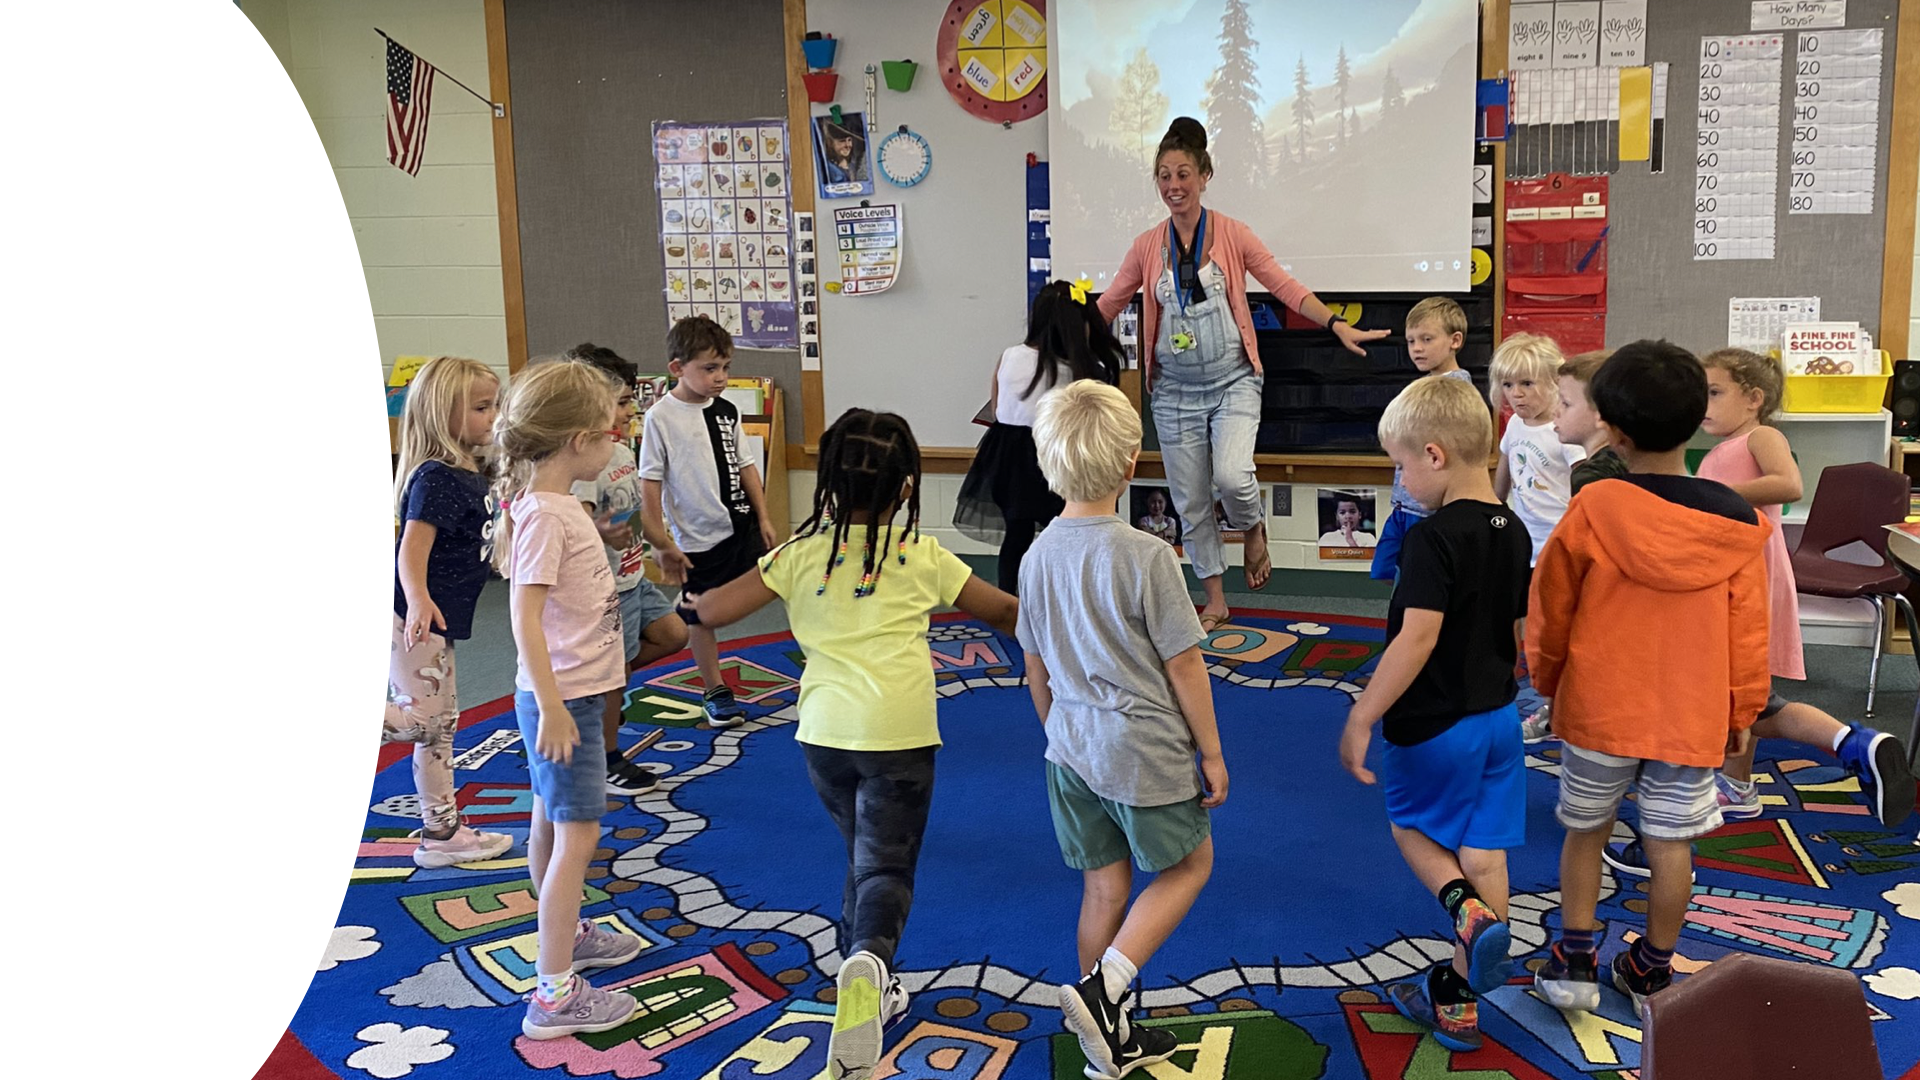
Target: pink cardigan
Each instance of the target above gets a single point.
(1233, 247)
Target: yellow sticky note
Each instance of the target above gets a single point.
(405, 368)
(1636, 113)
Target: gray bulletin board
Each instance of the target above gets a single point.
(589, 78)
(1655, 287)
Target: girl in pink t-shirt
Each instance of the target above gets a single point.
(1753, 458)
(556, 428)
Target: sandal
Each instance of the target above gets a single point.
(1210, 622)
(1264, 565)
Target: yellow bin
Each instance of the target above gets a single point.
(1838, 393)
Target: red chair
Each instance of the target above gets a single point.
(1855, 503)
(1758, 1018)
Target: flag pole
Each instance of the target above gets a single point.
(499, 110)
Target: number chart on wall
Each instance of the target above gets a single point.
(1836, 121)
(1737, 152)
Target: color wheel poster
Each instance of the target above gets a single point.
(869, 241)
(726, 221)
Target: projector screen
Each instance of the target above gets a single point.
(1342, 131)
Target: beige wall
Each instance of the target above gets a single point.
(430, 243)
(1913, 312)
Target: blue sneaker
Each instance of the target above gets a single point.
(1880, 761)
(1487, 941)
(1456, 1027)
(722, 711)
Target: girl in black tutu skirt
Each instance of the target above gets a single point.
(1005, 500)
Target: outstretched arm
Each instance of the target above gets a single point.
(1267, 271)
(731, 602)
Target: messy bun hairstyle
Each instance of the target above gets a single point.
(1187, 136)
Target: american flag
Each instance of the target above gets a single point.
(409, 97)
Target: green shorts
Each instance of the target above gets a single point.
(1095, 832)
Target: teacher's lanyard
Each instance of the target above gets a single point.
(1182, 289)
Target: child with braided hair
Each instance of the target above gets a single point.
(868, 724)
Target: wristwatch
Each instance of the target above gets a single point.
(1335, 319)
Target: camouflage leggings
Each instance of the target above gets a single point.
(879, 799)
(423, 709)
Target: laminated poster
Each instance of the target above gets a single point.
(726, 227)
(868, 239)
(1349, 524)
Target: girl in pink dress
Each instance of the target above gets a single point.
(1743, 392)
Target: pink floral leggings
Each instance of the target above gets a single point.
(422, 709)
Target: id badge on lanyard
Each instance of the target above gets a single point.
(1182, 340)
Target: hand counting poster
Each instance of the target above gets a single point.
(726, 221)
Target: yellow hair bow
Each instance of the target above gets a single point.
(1078, 290)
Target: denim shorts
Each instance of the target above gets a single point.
(639, 607)
(576, 791)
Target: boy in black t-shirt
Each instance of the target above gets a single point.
(1453, 770)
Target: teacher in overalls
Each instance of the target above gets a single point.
(1200, 359)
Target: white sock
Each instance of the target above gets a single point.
(1840, 737)
(552, 988)
(1117, 972)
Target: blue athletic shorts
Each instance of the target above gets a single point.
(576, 791)
(1465, 787)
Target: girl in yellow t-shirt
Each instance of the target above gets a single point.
(867, 719)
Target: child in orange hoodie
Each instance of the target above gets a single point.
(1653, 569)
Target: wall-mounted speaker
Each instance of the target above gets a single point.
(1906, 399)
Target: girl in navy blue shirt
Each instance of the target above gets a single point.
(441, 562)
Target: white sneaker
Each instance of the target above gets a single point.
(464, 846)
(1536, 728)
(893, 1004)
(854, 1047)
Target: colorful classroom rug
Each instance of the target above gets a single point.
(729, 873)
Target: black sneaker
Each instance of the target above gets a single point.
(1639, 988)
(722, 711)
(626, 778)
(1147, 1046)
(1569, 980)
(1099, 1024)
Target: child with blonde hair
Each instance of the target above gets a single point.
(440, 566)
(869, 727)
(1114, 664)
(1436, 332)
(557, 430)
(1453, 772)
(1535, 472)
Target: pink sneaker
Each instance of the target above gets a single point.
(464, 846)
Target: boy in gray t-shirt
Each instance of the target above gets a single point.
(1113, 660)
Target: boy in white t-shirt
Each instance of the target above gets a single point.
(695, 476)
(1535, 475)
